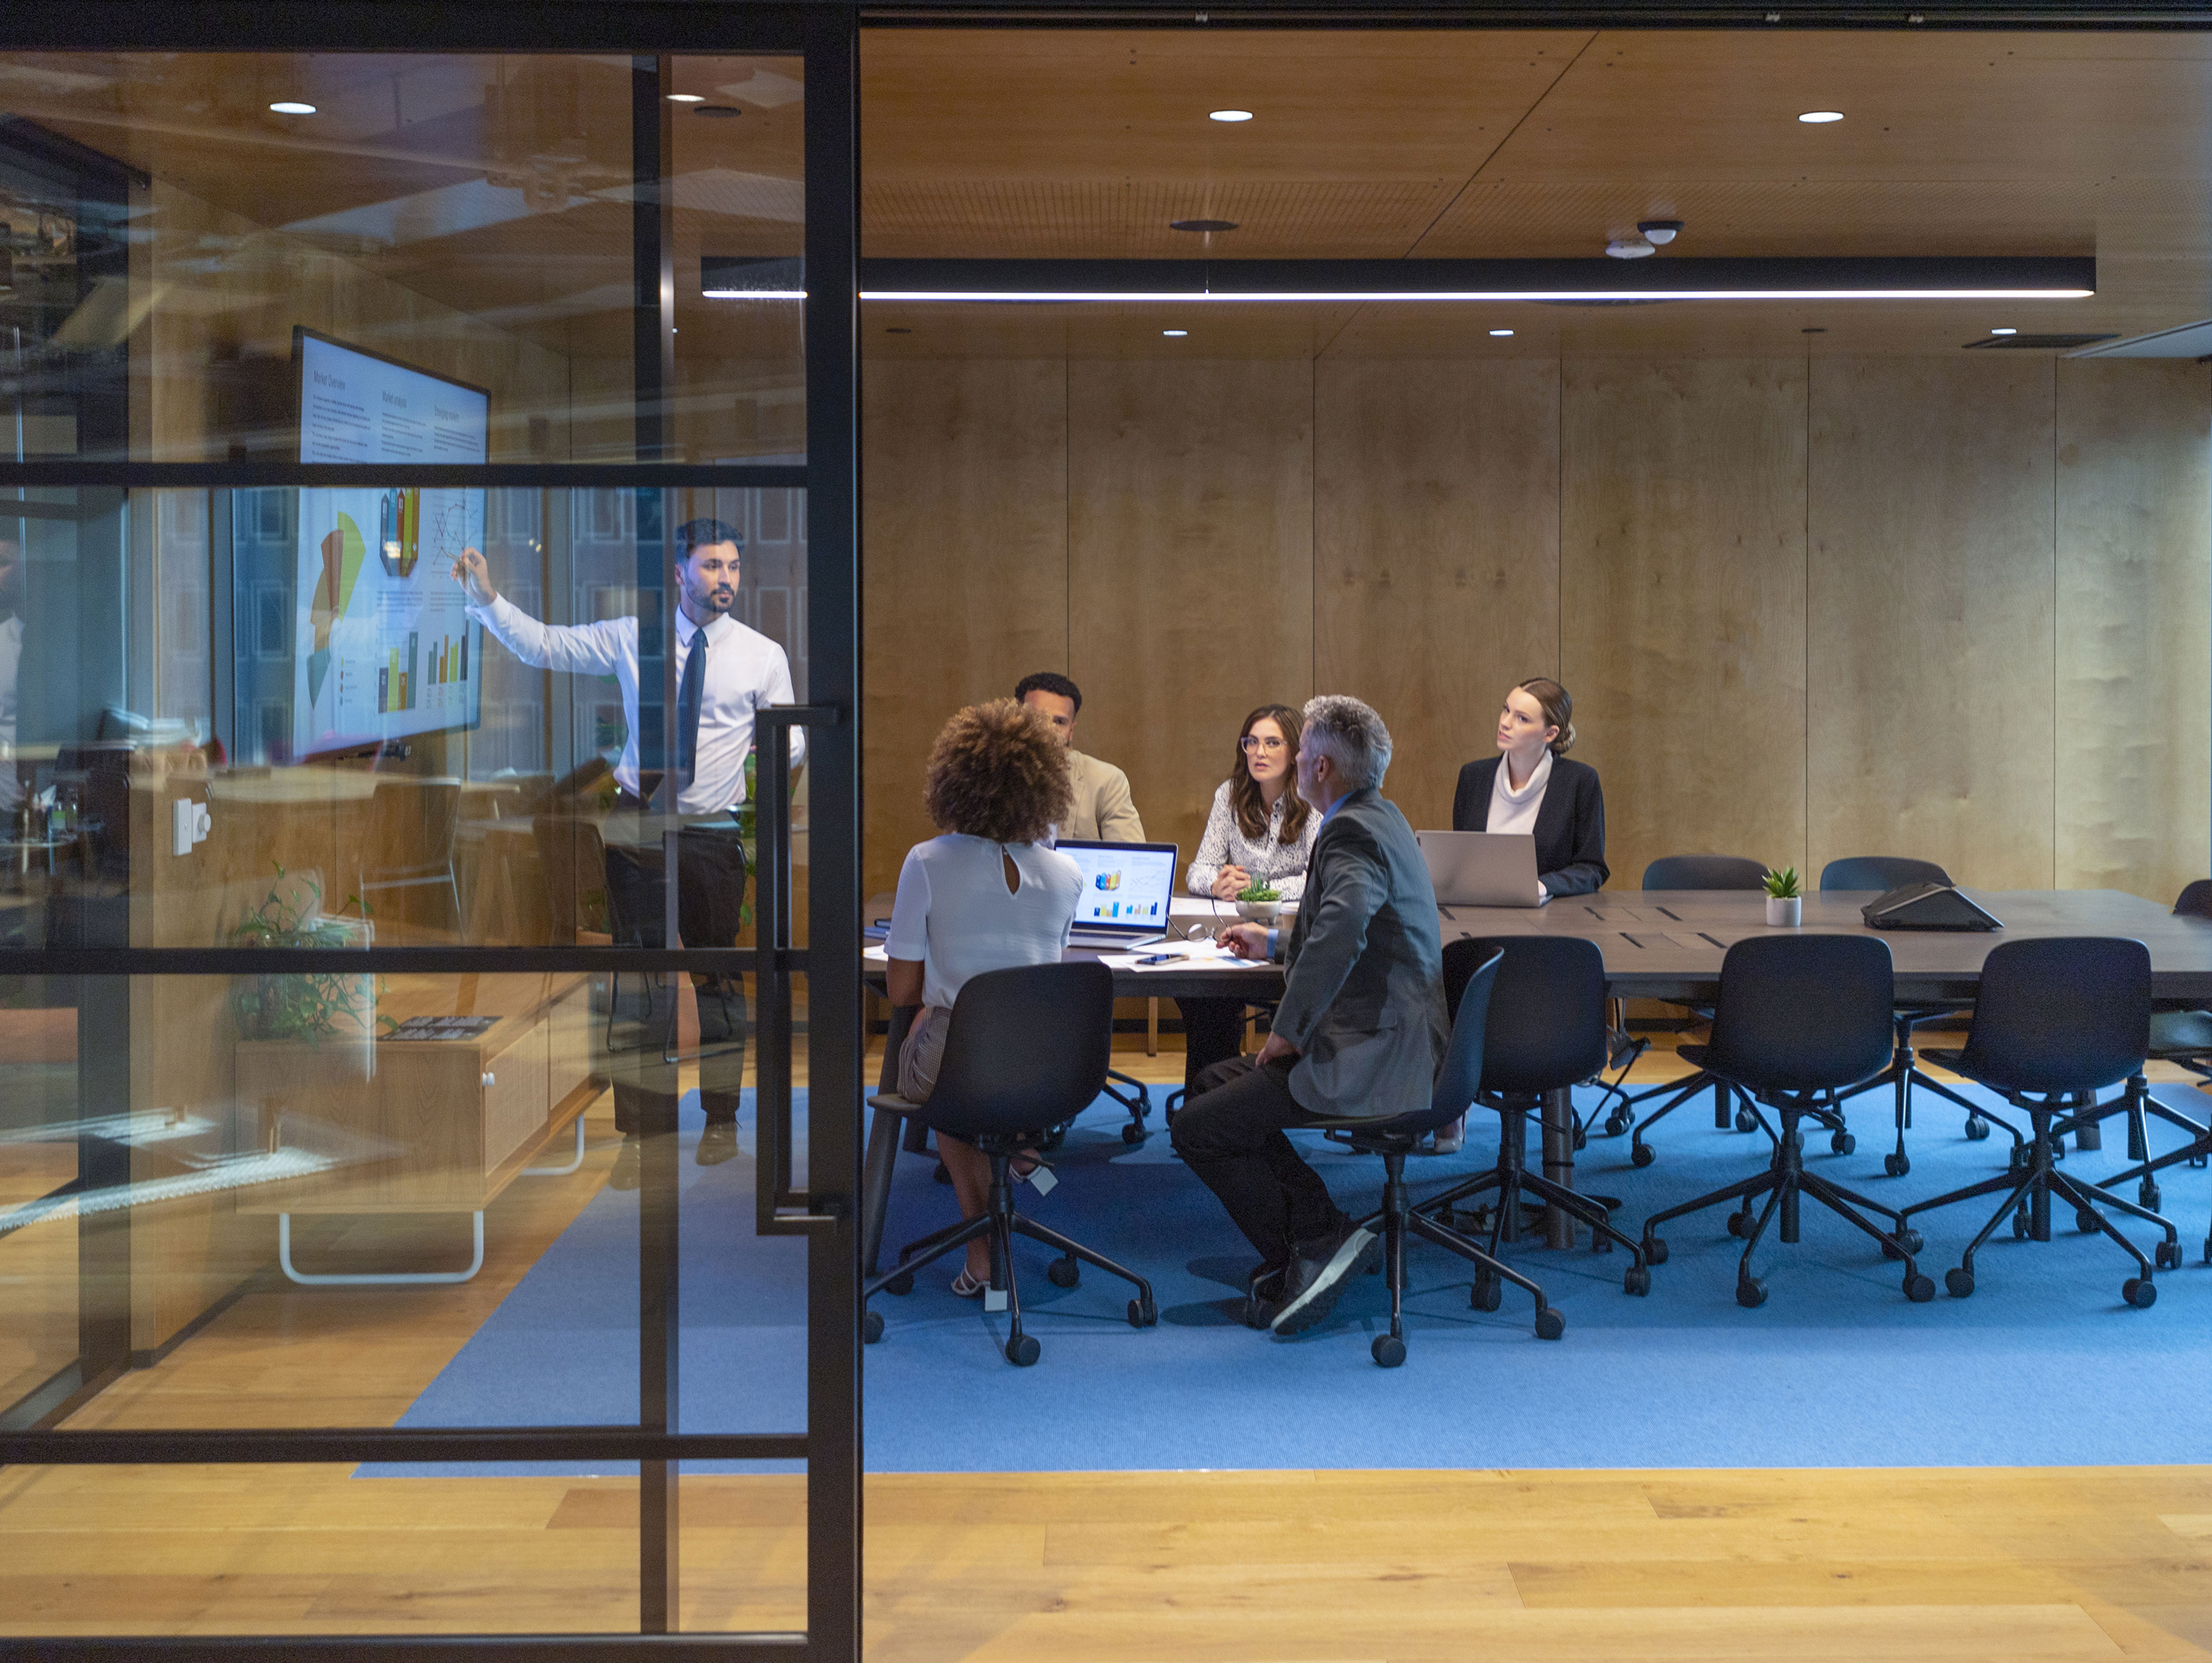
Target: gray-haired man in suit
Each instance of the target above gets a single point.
(1359, 1035)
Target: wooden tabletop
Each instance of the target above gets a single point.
(1669, 943)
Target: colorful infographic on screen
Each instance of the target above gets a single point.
(386, 649)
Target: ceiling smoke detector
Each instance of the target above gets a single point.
(1660, 233)
(1629, 248)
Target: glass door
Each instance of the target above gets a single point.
(410, 1008)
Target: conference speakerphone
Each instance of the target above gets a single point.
(1926, 907)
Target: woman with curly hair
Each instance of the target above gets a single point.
(988, 894)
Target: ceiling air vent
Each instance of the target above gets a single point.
(2032, 342)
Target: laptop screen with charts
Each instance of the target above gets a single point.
(1126, 890)
(1481, 869)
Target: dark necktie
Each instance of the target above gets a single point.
(688, 700)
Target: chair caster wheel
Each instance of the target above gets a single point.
(2020, 1224)
(1487, 1294)
(941, 1176)
(1615, 1125)
(2168, 1257)
(1842, 1143)
(1739, 1224)
(1581, 1140)
(871, 1327)
(1132, 1134)
(2019, 1158)
(902, 1284)
(1143, 1312)
(1896, 1164)
(1751, 1293)
(1641, 1156)
(2148, 1196)
(2085, 1221)
(1655, 1250)
(1064, 1272)
(1908, 1240)
(1976, 1128)
(2208, 1249)
(1919, 1287)
(2139, 1291)
(1550, 1325)
(1746, 1120)
(1022, 1351)
(1636, 1280)
(1958, 1283)
(1389, 1350)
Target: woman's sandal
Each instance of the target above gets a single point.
(969, 1287)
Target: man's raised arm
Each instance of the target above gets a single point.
(592, 649)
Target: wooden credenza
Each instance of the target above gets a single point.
(438, 1125)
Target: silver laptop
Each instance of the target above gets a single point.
(1481, 869)
(1127, 889)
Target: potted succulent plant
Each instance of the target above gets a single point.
(1259, 903)
(1785, 902)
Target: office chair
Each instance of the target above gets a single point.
(1546, 1031)
(2056, 1021)
(411, 826)
(1689, 871)
(1394, 1139)
(1801, 1021)
(1027, 1049)
(1881, 873)
(2183, 1037)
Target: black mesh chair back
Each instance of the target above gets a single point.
(1547, 1023)
(1704, 871)
(2195, 899)
(1803, 1012)
(1880, 872)
(1461, 1076)
(2067, 1013)
(1028, 1049)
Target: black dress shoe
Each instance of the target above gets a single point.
(1318, 1273)
(1263, 1292)
(717, 1143)
(628, 1173)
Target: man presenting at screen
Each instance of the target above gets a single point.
(725, 672)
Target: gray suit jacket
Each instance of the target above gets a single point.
(1364, 995)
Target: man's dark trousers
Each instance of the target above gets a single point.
(1230, 1132)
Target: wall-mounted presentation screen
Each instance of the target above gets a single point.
(383, 647)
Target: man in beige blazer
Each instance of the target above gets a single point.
(1103, 811)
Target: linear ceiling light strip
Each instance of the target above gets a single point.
(1183, 296)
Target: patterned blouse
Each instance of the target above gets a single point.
(1280, 866)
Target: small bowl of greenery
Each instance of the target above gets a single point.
(1258, 904)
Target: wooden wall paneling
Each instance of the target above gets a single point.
(1682, 602)
(1190, 567)
(965, 530)
(1436, 552)
(1931, 600)
(2134, 698)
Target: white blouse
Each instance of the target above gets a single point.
(955, 913)
(1516, 810)
(1281, 866)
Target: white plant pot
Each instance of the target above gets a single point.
(1785, 912)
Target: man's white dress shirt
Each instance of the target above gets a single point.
(745, 671)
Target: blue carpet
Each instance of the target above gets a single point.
(1836, 1369)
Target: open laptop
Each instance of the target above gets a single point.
(1481, 869)
(1126, 888)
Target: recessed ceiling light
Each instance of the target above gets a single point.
(1815, 117)
(1175, 331)
(1501, 331)
(1201, 225)
(2004, 332)
(687, 98)
(898, 328)
(719, 111)
(292, 106)
(1228, 115)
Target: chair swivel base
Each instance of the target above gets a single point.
(1513, 1181)
(1138, 1101)
(2027, 1192)
(1397, 1220)
(1001, 1224)
(1786, 1184)
(1742, 1119)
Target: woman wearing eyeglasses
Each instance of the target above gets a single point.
(1260, 834)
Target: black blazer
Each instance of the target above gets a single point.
(1569, 826)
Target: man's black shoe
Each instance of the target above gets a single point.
(628, 1173)
(1263, 1291)
(1318, 1273)
(717, 1143)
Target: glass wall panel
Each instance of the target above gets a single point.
(181, 228)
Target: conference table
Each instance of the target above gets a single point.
(1661, 944)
